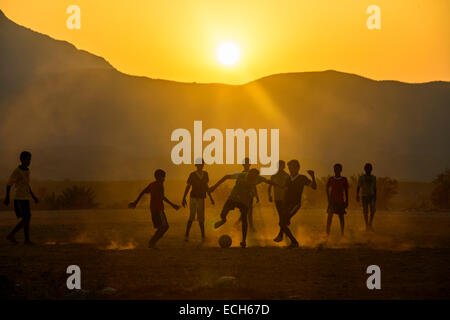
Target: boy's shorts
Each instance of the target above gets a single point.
(159, 219)
(197, 207)
(368, 202)
(336, 207)
(22, 209)
(231, 205)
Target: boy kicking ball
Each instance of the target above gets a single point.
(157, 198)
(240, 197)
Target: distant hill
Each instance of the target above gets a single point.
(83, 119)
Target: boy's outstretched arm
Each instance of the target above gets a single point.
(175, 206)
(8, 191)
(224, 178)
(313, 178)
(133, 204)
(271, 183)
(186, 190)
(210, 196)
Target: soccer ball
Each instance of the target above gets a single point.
(225, 241)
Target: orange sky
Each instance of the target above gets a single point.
(177, 39)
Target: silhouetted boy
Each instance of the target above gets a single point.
(280, 178)
(240, 197)
(293, 199)
(157, 198)
(20, 180)
(368, 185)
(198, 181)
(246, 164)
(337, 188)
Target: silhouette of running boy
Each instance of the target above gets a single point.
(198, 181)
(367, 183)
(240, 197)
(337, 189)
(293, 199)
(157, 198)
(20, 180)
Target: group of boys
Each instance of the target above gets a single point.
(288, 189)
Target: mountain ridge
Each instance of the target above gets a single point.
(329, 116)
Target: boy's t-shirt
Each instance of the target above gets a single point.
(156, 190)
(243, 191)
(338, 186)
(20, 180)
(280, 178)
(294, 188)
(199, 184)
(368, 184)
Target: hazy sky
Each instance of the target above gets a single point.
(178, 39)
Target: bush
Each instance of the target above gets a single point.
(72, 198)
(387, 188)
(441, 192)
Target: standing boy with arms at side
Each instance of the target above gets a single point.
(293, 199)
(368, 185)
(157, 198)
(198, 180)
(20, 180)
(337, 187)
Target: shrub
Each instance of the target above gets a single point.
(72, 198)
(441, 192)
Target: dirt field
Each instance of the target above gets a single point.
(412, 250)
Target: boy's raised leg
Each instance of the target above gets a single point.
(227, 207)
(158, 235)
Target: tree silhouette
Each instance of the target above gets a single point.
(441, 192)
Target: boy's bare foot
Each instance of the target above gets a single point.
(12, 239)
(293, 245)
(152, 246)
(243, 244)
(278, 238)
(29, 243)
(186, 239)
(219, 223)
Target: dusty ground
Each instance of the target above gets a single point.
(412, 250)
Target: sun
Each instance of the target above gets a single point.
(228, 53)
